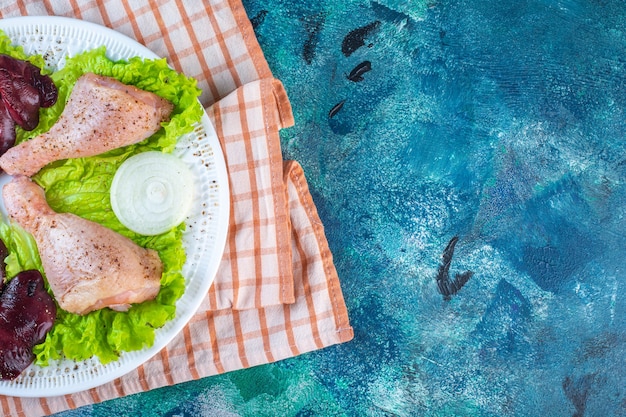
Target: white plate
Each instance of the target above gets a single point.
(57, 38)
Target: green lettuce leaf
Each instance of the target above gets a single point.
(81, 186)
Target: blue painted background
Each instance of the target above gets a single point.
(500, 122)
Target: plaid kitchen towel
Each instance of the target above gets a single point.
(277, 293)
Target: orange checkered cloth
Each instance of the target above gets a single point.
(277, 293)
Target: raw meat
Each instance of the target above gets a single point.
(7, 129)
(27, 313)
(20, 68)
(23, 90)
(88, 266)
(20, 99)
(101, 114)
(4, 252)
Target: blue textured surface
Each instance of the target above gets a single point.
(502, 123)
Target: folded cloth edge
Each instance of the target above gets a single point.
(282, 115)
(270, 102)
(294, 172)
(249, 37)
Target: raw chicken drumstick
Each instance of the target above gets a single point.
(101, 114)
(88, 266)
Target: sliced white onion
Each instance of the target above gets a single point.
(152, 192)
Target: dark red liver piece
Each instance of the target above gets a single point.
(27, 313)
